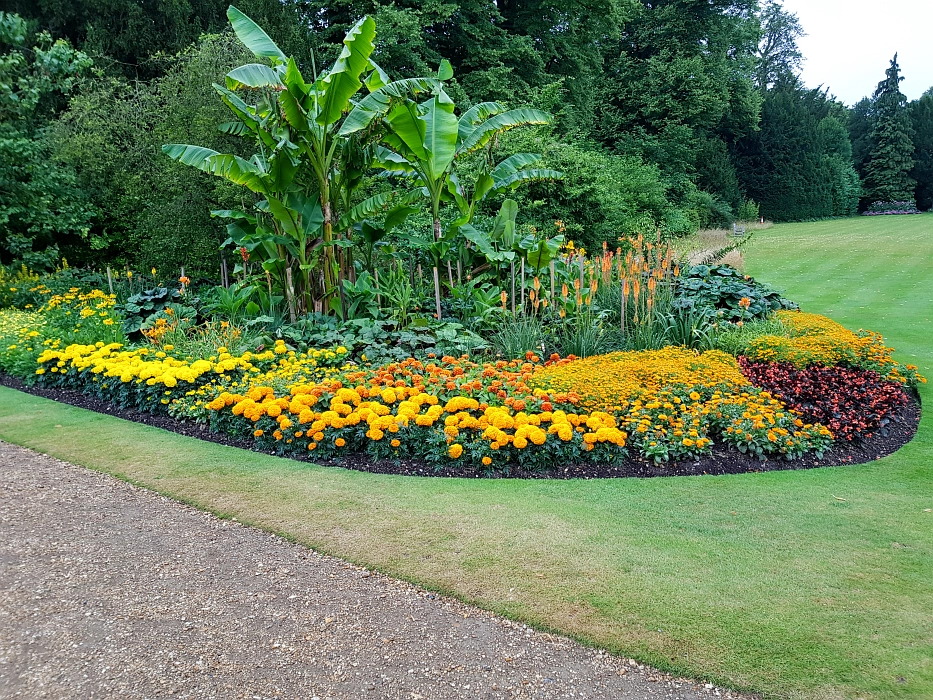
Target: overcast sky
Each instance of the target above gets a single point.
(850, 43)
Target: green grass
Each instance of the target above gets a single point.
(809, 584)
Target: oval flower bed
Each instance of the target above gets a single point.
(456, 414)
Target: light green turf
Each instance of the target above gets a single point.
(814, 584)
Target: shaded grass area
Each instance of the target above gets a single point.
(811, 584)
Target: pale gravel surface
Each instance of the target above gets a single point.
(108, 590)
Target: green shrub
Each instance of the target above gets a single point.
(722, 289)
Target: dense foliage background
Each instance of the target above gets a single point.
(675, 115)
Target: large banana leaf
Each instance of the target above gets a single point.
(282, 170)
(445, 71)
(503, 229)
(391, 162)
(293, 111)
(253, 37)
(289, 219)
(377, 79)
(195, 156)
(482, 133)
(236, 170)
(377, 204)
(532, 174)
(233, 128)
(440, 134)
(514, 163)
(246, 114)
(410, 130)
(229, 167)
(377, 103)
(365, 209)
(543, 251)
(343, 80)
(253, 75)
(475, 115)
(484, 244)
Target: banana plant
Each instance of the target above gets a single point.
(424, 141)
(302, 156)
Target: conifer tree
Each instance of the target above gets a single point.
(887, 174)
(921, 112)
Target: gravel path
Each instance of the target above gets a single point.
(109, 590)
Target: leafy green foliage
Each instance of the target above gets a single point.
(151, 212)
(799, 164)
(722, 290)
(138, 310)
(41, 207)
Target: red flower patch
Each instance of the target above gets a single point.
(853, 403)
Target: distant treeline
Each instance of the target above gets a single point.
(670, 115)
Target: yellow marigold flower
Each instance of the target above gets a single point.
(395, 443)
(340, 442)
(455, 450)
(487, 461)
(257, 433)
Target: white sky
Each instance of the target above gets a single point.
(850, 43)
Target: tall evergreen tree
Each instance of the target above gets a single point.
(921, 114)
(799, 164)
(891, 158)
(861, 117)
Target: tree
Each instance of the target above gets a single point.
(41, 208)
(426, 141)
(295, 125)
(921, 114)
(679, 75)
(779, 57)
(861, 117)
(891, 158)
(151, 213)
(124, 35)
(799, 165)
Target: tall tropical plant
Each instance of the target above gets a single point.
(425, 140)
(304, 168)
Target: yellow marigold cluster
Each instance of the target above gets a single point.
(811, 339)
(611, 382)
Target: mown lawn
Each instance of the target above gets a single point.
(809, 584)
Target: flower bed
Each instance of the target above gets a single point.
(534, 414)
(811, 339)
(854, 404)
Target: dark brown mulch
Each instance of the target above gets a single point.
(723, 460)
